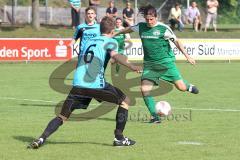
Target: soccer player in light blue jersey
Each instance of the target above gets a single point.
(87, 30)
(89, 82)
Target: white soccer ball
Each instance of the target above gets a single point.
(163, 108)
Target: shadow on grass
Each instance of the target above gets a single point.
(27, 139)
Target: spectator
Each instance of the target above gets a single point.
(175, 17)
(75, 12)
(128, 15)
(212, 6)
(111, 10)
(194, 17)
(94, 3)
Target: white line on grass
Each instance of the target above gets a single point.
(25, 99)
(193, 109)
(209, 109)
(190, 143)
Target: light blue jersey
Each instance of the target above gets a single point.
(92, 63)
(86, 32)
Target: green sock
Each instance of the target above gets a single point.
(187, 84)
(150, 103)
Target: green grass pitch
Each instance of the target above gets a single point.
(208, 131)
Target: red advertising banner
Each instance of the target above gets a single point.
(34, 49)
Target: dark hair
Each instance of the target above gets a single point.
(90, 8)
(177, 4)
(107, 25)
(148, 10)
(118, 18)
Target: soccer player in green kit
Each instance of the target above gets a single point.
(159, 59)
(121, 38)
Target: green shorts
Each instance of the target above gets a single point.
(155, 75)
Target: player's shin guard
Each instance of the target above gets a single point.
(121, 120)
(51, 127)
(150, 103)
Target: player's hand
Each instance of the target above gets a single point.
(137, 69)
(191, 60)
(70, 45)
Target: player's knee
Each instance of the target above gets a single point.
(145, 91)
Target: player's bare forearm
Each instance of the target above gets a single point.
(179, 45)
(123, 60)
(123, 31)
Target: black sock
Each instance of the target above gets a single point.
(121, 120)
(51, 127)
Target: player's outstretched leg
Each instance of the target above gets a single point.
(183, 85)
(55, 123)
(51, 128)
(121, 120)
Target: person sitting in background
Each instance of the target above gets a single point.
(128, 15)
(193, 16)
(75, 12)
(111, 10)
(175, 17)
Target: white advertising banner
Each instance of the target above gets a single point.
(199, 49)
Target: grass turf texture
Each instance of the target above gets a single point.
(216, 132)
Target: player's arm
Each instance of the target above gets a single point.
(128, 30)
(169, 35)
(123, 31)
(78, 34)
(179, 45)
(124, 61)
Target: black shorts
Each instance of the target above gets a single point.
(79, 98)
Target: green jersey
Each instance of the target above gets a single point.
(121, 41)
(158, 53)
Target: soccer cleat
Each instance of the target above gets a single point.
(155, 120)
(124, 142)
(193, 89)
(35, 144)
